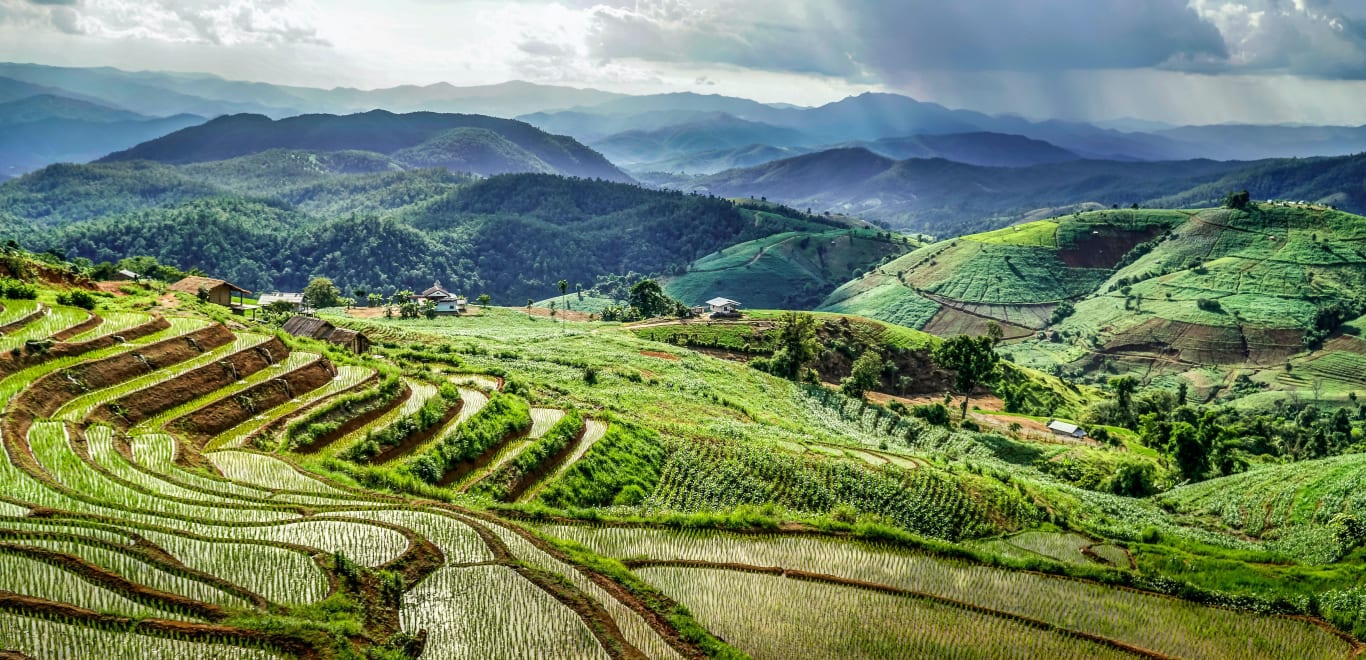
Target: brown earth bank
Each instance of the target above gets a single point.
(950, 321)
(201, 425)
(546, 467)
(1208, 344)
(277, 425)
(135, 407)
(90, 323)
(417, 439)
(44, 396)
(1106, 249)
(356, 422)
(11, 363)
(51, 275)
(22, 321)
(463, 468)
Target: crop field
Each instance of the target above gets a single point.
(1032, 234)
(348, 376)
(53, 321)
(16, 310)
(111, 324)
(768, 617)
(1187, 630)
(137, 542)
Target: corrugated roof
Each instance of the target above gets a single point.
(308, 326)
(292, 298)
(193, 283)
(1062, 427)
(722, 302)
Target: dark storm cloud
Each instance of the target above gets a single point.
(1031, 35)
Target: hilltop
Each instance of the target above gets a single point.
(1164, 292)
(473, 143)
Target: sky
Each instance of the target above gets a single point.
(1178, 61)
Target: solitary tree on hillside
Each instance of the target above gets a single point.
(483, 300)
(1238, 200)
(1124, 387)
(972, 360)
(866, 373)
(797, 345)
(321, 292)
(564, 287)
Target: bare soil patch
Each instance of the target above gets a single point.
(660, 355)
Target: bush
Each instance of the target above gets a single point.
(933, 413)
(77, 298)
(16, 290)
(1209, 305)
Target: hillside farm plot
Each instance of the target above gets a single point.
(1032, 234)
(348, 376)
(41, 638)
(112, 324)
(140, 571)
(491, 611)
(420, 393)
(296, 360)
(268, 472)
(593, 431)
(774, 617)
(280, 575)
(53, 321)
(14, 311)
(79, 407)
(1188, 630)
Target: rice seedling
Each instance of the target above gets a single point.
(1186, 629)
(1064, 547)
(348, 376)
(481, 381)
(770, 616)
(279, 575)
(267, 472)
(632, 625)
(112, 323)
(40, 638)
(492, 612)
(457, 541)
(51, 446)
(30, 577)
(157, 451)
(542, 419)
(14, 310)
(140, 571)
(100, 444)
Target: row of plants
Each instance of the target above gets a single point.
(504, 415)
(328, 418)
(432, 412)
(506, 480)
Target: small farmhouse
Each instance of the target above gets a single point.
(219, 292)
(316, 328)
(723, 307)
(1064, 428)
(125, 275)
(294, 300)
(442, 300)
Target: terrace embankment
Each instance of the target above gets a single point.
(14, 362)
(1207, 344)
(199, 426)
(143, 404)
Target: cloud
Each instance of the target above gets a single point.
(213, 22)
(1316, 38)
(772, 35)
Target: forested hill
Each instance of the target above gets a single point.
(467, 143)
(511, 236)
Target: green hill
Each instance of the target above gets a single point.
(1180, 289)
(792, 270)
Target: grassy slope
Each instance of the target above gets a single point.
(790, 270)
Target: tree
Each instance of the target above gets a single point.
(1237, 200)
(321, 292)
(1186, 449)
(866, 374)
(972, 360)
(796, 345)
(484, 299)
(649, 299)
(1124, 388)
(564, 286)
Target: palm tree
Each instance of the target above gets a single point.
(564, 287)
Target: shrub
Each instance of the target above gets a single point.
(16, 290)
(76, 299)
(1209, 305)
(933, 413)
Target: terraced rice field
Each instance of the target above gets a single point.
(1123, 616)
(421, 392)
(129, 544)
(53, 321)
(111, 324)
